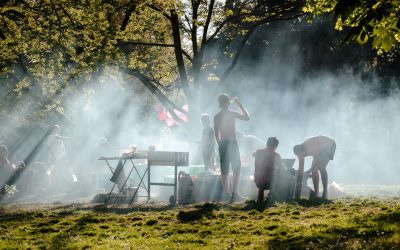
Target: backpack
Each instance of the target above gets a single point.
(185, 188)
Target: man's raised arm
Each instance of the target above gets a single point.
(243, 115)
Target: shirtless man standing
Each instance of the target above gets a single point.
(225, 134)
(322, 149)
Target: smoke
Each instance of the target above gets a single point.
(102, 120)
(293, 103)
(106, 118)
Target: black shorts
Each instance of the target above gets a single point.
(328, 153)
(229, 154)
(264, 186)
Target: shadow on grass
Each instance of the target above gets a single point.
(335, 238)
(200, 211)
(261, 206)
(21, 215)
(63, 237)
(375, 232)
(66, 210)
(127, 210)
(314, 202)
(389, 217)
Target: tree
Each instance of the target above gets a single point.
(196, 25)
(49, 47)
(364, 20)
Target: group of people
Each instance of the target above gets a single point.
(16, 177)
(267, 162)
(9, 172)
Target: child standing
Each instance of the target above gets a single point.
(207, 143)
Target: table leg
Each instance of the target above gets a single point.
(139, 175)
(148, 180)
(109, 194)
(137, 190)
(126, 180)
(175, 183)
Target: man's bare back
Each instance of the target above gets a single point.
(224, 120)
(322, 149)
(313, 146)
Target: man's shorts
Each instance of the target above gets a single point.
(229, 154)
(264, 186)
(328, 153)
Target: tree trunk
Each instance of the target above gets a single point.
(178, 52)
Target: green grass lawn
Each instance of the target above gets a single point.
(348, 223)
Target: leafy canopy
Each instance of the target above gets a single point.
(365, 19)
(49, 48)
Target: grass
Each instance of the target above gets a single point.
(348, 223)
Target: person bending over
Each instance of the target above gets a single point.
(225, 134)
(322, 149)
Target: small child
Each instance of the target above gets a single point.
(207, 143)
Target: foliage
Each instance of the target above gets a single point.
(366, 19)
(48, 48)
(346, 223)
(51, 47)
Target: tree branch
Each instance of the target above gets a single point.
(246, 38)
(127, 17)
(70, 18)
(58, 19)
(234, 18)
(226, 21)
(195, 9)
(4, 2)
(154, 44)
(178, 52)
(168, 104)
(15, 13)
(145, 44)
(151, 6)
(2, 36)
(188, 23)
(208, 21)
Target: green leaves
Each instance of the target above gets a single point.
(377, 20)
(362, 38)
(386, 44)
(51, 48)
(344, 8)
